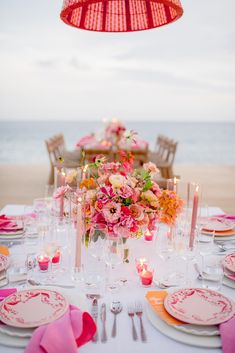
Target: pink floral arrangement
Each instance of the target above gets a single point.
(115, 129)
(127, 201)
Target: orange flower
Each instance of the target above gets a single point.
(88, 183)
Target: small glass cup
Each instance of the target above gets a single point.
(212, 272)
(146, 276)
(141, 263)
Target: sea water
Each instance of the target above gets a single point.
(199, 143)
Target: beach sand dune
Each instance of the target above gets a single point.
(20, 184)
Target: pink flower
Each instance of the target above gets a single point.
(137, 212)
(123, 228)
(111, 167)
(61, 191)
(112, 212)
(125, 191)
(151, 168)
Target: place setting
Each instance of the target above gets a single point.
(194, 316)
(23, 312)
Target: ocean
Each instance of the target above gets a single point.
(199, 143)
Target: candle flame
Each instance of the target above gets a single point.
(197, 188)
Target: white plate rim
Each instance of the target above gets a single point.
(64, 310)
(168, 309)
(16, 339)
(180, 336)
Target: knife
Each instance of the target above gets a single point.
(94, 314)
(103, 319)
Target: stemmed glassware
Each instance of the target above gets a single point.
(113, 254)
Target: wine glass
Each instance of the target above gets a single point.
(97, 237)
(113, 255)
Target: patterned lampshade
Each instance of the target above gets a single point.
(120, 15)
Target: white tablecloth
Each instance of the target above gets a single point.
(156, 341)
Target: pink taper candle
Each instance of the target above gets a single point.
(194, 218)
(61, 206)
(79, 235)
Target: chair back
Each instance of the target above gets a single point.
(55, 147)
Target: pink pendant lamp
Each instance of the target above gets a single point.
(120, 15)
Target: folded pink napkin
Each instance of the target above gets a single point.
(5, 292)
(64, 335)
(227, 335)
(226, 216)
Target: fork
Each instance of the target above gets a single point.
(139, 313)
(131, 313)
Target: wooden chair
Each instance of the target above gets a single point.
(56, 150)
(164, 155)
(166, 164)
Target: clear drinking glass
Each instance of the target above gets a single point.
(212, 272)
(113, 254)
(96, 242)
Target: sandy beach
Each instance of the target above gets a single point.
(20, 184)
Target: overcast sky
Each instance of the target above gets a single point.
(184, 71)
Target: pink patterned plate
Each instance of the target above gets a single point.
(4, 262)
(32, 308)
(217, 224)
(199, 306)
(229, 262)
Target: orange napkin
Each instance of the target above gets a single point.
(156, 300)
(4, 250)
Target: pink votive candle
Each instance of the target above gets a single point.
(140, 264)
(148, 236)
(43, 262)
(56, 257)
(146, 277)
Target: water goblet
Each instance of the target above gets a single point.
(113, 254)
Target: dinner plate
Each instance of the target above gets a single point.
(32, 308)
(199, 306)
(4, 262)
(183, 337)
(19, 337)
(217, 225)
(225, 233)
(229, 262)
(12, 236)
(228, 282)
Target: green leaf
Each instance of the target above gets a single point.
(127, 202)
(147, 185)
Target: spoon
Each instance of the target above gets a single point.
(116, 308)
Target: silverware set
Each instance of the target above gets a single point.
(115, 308)
(137, 310)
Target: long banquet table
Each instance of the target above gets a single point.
(157, 342)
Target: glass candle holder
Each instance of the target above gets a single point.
(43, 262)
(146, 276)
(141, 263)
(148, 236)
(173, 184)
(56, 258)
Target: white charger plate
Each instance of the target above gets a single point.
(180, 336)
(18, 337)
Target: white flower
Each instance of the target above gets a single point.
(117, 180)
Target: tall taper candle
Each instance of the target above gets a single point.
(194, 218)
(79, 234)
(62, 206)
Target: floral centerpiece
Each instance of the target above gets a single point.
(114, 130)
(128, 201)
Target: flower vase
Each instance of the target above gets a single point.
(126, 250)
